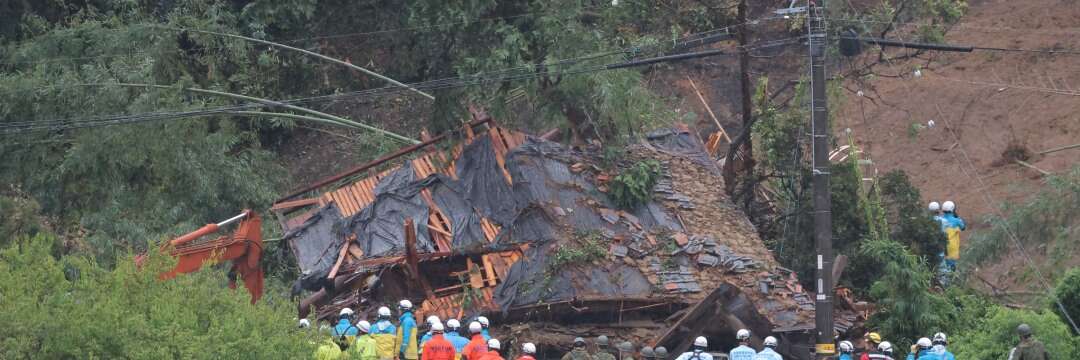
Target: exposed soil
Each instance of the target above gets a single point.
(989, 109)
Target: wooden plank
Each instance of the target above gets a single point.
(341, 257)
(476, 280)
(709, 109)
(355, 251)
(346, 199)
(490, 270)
(294, 203)
(341, 208)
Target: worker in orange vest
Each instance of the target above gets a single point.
(493, 346)
(477, 347)
(528, 352)
(438, 348)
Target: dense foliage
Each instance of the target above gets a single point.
(72, 308)
(996, 334)
(1067, 292)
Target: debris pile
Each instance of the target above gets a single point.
(520, 228)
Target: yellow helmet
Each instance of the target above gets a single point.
(874, 337)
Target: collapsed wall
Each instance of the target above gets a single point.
(521, 229)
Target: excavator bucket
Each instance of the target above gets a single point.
(243, 247)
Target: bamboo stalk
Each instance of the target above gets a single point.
(709, 109)
(308, 52)
(1025, 164)
(1067, 147)
(337, 119)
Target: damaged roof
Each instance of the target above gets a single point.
(512, 201)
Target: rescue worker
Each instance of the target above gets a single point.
(743, 351)
(935, 209)
(303, 324)
(923, 350)
(364, 348)
(477, 346)
(437, 347)
(328, 351)
(385, 334)
(847, 351)
(884, 351)
(485, 324)
(768, 352)
(661, 353)
(647, 353)
(870, 345)
(940, 342)
(602, 350)
(453, 334)
(952, 225)
(431, 320)
(626, 350)
(493, 346)
(1029, 348)
(344, 333)
(697, 351)
(528, 352)
(405, 342)
(578, 352)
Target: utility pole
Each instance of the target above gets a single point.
(819, 124)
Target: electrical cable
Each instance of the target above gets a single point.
(987, 198)
(346, 35)
(446, 83)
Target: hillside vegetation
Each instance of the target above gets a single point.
(128, 122)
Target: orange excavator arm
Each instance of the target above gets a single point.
(243, 247)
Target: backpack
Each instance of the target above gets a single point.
(342, 340)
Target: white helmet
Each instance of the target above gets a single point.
(483, 321)
(885, 347)
(940, 338)
(453, 324)
(742, 334)
(494, 344)
(384, 311)
(364, 326)
(701, 341)
(405, 304)
(948, 206)
(475, 327)
(846, 346)
(769, 341)
(345, 312)
(433, 319)
(528, 348)
(437, 327)
(924, 343)
(304, 324)
(934, 206)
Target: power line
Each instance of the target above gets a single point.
(1002, 86)
(446, 83)
(987, 198)
(1051, 32)
(346, 35)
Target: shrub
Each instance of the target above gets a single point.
(997, 334)
(71, 308)
(634, 185)
(1067, 292)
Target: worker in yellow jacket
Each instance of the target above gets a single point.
(329, 350)
(384, 332)
(364, 348)
(406, 343)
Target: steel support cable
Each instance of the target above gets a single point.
(1059, 32)
(60, 124)
(987, 198)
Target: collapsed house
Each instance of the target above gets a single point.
(520, 229)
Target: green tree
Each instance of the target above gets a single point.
(72, 308)
(910, 223)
